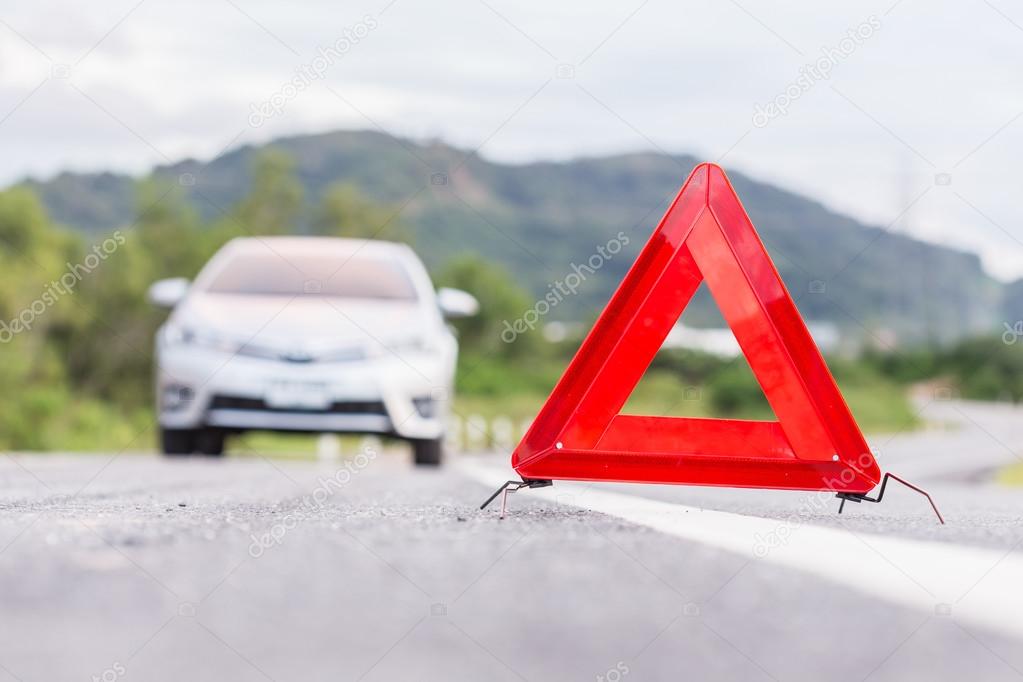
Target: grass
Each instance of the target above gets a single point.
(278, 445)
(1011, 475)
(879, 406)
(299, 446)
(882, 408)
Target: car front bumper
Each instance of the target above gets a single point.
(404, 396)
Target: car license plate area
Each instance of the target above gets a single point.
(297, 395)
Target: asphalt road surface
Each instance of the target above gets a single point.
(131, 567)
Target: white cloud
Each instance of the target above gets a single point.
(935, 82)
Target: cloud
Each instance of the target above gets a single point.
(920, 97)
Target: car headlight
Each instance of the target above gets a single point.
(181, 335)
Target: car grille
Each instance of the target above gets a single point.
(226, 402)
(350, 354)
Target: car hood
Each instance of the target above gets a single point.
(311, 323)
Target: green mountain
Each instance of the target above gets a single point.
(538, 219)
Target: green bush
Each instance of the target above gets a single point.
(987, 369)
(734, 391)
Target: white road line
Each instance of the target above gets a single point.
(973, 585)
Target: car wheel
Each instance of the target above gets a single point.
(175, 442)
(211, 442)
(428, 452)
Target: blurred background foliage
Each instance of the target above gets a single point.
(80, 378)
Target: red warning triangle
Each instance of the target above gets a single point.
(705, 236)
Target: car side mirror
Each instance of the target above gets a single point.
(167, 293)
(455, 303)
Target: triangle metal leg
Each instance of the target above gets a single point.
(862, 497)
(512, 486)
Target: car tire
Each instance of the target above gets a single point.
(210, 442)
(428, 452)
(177, 442)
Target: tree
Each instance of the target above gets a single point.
(167, 228)
(345, 211)
(76, 331)
(502, 303)
(274, 203)
(40, 306)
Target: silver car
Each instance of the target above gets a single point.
(308, 334)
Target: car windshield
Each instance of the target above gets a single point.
(272, 274)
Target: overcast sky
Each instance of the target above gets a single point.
(910, 115)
